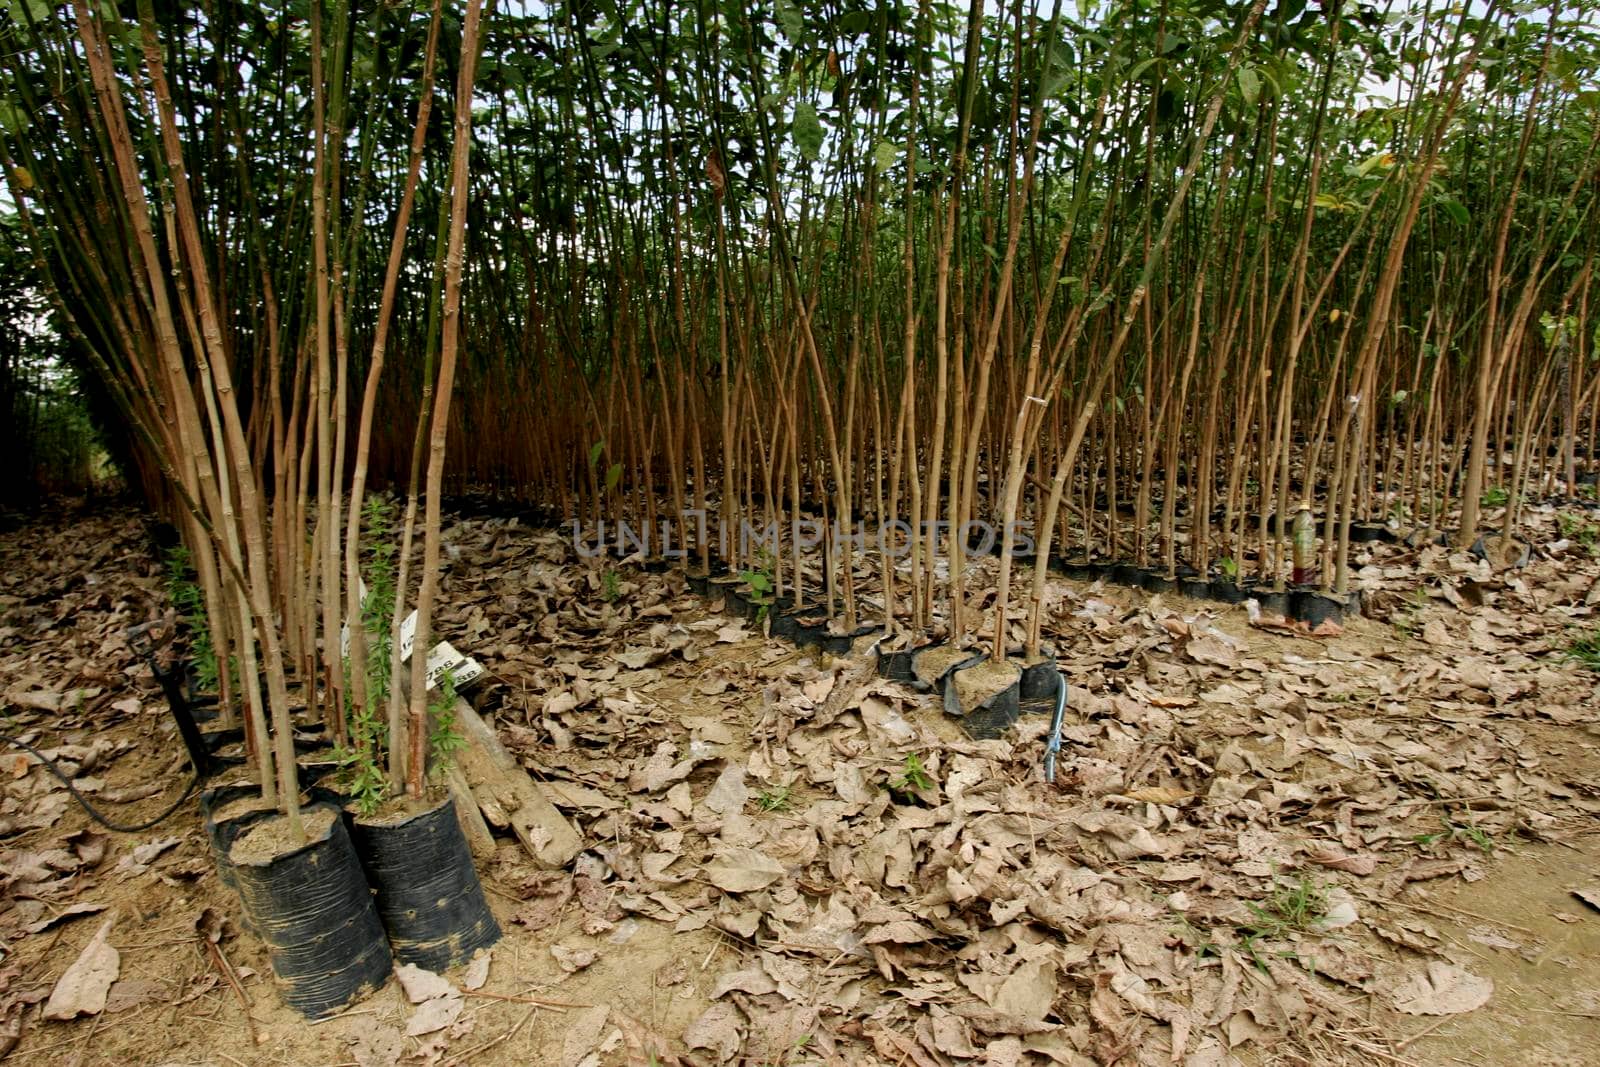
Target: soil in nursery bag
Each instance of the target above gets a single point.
(930, 665)
(231, 810)
(986, 696)
(225, 821)
(428, 893)
(309, 901)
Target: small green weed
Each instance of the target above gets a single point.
(1198, 941)
(1229, 568)
(1495, 496)
(1451, 832)
(362, 763)
(1250, 942)
(377, 520)
(775, 799)
(913, 778)
(759, 579)
(1289, 908)
(444, 737)
(364, 780)
(1578, 528)
(610, 586)
(1584, 648)
(184, 592)
(1408, 620)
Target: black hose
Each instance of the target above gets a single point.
(1053, 745)
(50, 765)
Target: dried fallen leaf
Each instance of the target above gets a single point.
(71, 911)
(146, 853)
(10, 1033)
(433, 1015)
(131, 992)
(573, 959)
(644, 1044)
(420, 984)
(1444, 989)
(1362, 864)
(899, 932)
(743, 870)
(1029, 992)
(477, 970)
(1341, 911)
(583, 1033)
(717, 1029)
(373, 1043)
(1159, 795)
(752, 980)
(729, 793)
(82, 988)
(1214, 649)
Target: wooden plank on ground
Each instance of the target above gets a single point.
(500, 782)
(479, 839)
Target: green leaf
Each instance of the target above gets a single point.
(1372, 162)
(13, 119)
(808, 132)
(790, 20)
(38, 10)
(885, 154)
(1456, 210)
(1139, 68)
(1250, 85)
(613, 476)
(594, 453)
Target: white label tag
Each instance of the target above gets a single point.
(408, 635)
(463, 669)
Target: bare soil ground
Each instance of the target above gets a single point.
(1376, 846)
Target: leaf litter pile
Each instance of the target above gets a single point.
(793, 861)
